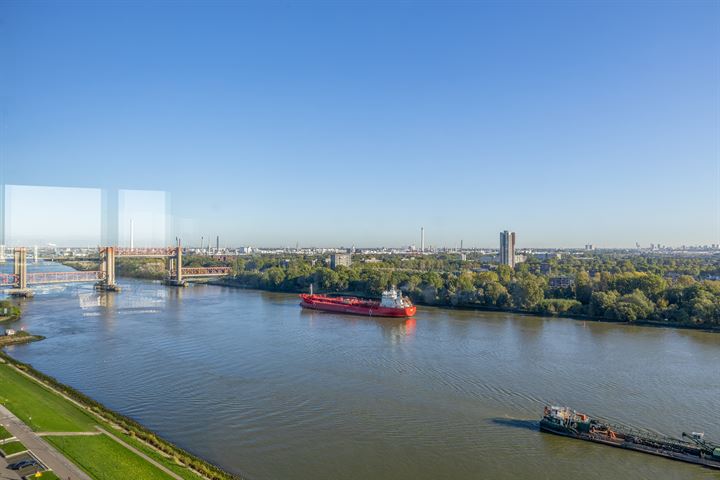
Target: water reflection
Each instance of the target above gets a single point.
(397, 330)
(517, 423)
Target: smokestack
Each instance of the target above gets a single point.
(35, 254)
(422, 239)
(217, 243)
(132, 234)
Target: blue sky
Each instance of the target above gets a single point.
(329, 124)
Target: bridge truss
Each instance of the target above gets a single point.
(105, 277)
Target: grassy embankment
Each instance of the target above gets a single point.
(8, 313)
(44, 410)
(47, 405)
(103, 458)
(19, 337)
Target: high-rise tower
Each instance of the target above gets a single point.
(507, 248)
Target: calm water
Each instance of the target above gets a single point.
(248, 380)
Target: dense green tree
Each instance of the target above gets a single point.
(494, 294)
(527, 291)
(505, 274)
(620, 285)
(559, 305)
(633, 306)
(486, 277)
(433, 279)
(602, 303)
(466, 281)
(276, 276)
(583, 287)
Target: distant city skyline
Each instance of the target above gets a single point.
(49, 216)
(330, 125)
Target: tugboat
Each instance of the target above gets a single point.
(569, 423)
(391, 304)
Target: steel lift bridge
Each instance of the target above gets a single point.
(104, 278)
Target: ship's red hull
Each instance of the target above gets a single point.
(354, 306)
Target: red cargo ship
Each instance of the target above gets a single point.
(391, 304)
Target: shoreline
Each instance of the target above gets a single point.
(576, 317)
(198, 466)
(19, 338)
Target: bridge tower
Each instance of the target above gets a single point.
(174, 269)
(107, 266)
(20, 272)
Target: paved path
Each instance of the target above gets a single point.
(6, 473)
(67, 434)
(53, 459)
(140, 454)
(99, 432)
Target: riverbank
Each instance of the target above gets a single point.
(149, 272)
(125, 449)
(633, 290)
(481, 308)
(19, 338)
(132, 457)
(579, 317)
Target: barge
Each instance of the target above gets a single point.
(693, 448)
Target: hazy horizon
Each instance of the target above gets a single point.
(331, 125)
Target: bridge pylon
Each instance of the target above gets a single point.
(20, 271)
(107, 266)
(174, 269)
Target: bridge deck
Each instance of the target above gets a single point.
(43, 278)
(205, 271)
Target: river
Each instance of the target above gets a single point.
(248, 380)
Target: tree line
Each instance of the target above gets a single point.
(623, 287)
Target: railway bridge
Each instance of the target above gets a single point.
(104, 279)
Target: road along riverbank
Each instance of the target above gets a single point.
(103, 443)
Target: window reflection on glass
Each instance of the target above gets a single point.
(39, 215)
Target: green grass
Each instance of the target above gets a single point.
(166, 462)
(12, 447)
(4, 434)
(37, 407)
(52, 413)
(104, 459)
